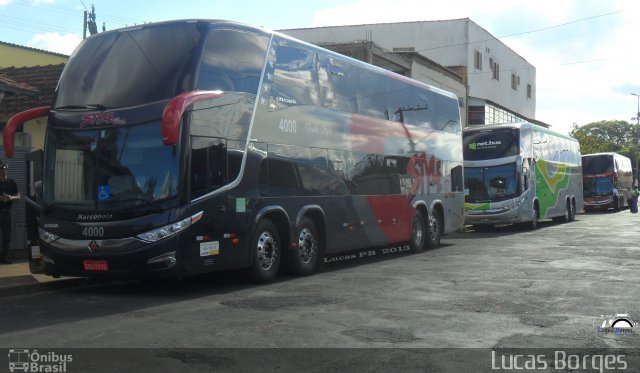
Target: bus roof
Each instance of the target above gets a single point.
(518, 125)
(265, 31)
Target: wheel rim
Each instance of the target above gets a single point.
(434, 228)
(417, 232)
(307, 245)
(267, 251)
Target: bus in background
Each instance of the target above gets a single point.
(186, 147)
(520, 173)
(608, 180)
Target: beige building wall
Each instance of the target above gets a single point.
(18, 56)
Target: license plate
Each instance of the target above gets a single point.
(95, 265)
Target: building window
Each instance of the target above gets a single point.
(496, 71)
(477, 60)
(515, 82)
(528, 90)
(476, 115)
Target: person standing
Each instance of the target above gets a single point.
(8, 194)
(633, 206)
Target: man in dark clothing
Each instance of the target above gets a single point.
(8, 194)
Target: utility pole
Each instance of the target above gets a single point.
(637, 130)
(84, 26)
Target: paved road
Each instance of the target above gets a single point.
(503, 288)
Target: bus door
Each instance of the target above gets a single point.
(33, 164)
(213, 164)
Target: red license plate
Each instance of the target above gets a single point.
(95, 265)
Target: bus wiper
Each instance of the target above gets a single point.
(82, 107)
(47, 208)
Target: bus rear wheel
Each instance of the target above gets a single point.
(266, 249)
(418, 232)
(572, 216)
(302, 259)
(568, 213)
(435, 229)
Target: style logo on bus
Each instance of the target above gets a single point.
(426, 172)
(101, 117)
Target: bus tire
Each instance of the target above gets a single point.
(533, 224)
(302, 259)
(266, 249)
(567, 213)
(572, 216)
(419, 232)
(435, 229)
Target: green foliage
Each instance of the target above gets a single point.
(608, 136)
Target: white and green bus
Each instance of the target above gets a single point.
(520, 173)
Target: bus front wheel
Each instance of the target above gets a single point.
(533, 224)
(302, 259)
(266, 249)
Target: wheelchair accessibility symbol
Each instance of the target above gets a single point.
(104, 192)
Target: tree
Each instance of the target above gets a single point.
(609, 136)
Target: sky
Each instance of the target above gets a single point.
(586, 52)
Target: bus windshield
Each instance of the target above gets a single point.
(491, 144)
(109, 169)
(130, 67)
(598, 186)
(599, 164)
(491, 184)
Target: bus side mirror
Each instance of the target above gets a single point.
(17, 121)
(172, 114)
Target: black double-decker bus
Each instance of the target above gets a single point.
(186, 147)
(608, 181)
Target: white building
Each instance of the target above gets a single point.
(500, 83)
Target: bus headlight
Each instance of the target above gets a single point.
(169, 229)
(47, 236)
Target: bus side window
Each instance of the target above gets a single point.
(448, 114)
(371, 94)
(337, 90)
(457, 179)
(407, 104)
(208, 165)
(232, 60)
(295, 80)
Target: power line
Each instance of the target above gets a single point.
(522, 33)
(560, 25)
(585, 61)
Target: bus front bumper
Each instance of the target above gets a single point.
(152, 260)
(491, 217)
(599, 203)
